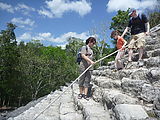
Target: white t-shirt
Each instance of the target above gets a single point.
(88, 52)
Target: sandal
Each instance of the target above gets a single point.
(80, 96)
(86, 97)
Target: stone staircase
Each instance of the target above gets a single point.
(129, 94)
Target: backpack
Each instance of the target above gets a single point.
(140, 16)
(79, 57)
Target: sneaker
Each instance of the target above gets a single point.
(80, 96)
(128, 64)
(86, 97)
(119, 68)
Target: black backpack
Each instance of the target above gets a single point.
(79, 57)
(140, 16)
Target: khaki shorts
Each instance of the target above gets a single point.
(85, 79)
(120, 54)
(140, 41)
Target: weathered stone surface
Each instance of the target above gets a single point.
(24, 108)
(152, 62)
(130, 112)
(132, 87)
(156, 53)
(97, 94)
(51, 113)
(106, 82)
(157, 106)
(102, 68)
(149, 93)
(71, 116)
(90, 109)
(114, 97)
(140, 74)
(154, 74)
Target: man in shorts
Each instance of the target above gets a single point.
(139, 29)
(87, 55)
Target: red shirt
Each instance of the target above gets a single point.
(120, 42)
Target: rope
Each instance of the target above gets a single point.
(81, 75)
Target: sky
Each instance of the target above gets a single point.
(54, 21)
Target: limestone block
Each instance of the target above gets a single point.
(149, 93)
(154, 74)
(130, 112)
(140, 74)
(152, 62)
(131, 86)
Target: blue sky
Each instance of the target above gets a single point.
(53, 21)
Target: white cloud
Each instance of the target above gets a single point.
(6, 7)
(56, 8)
(48, 37)
(25, 36)
(22, 22)
(24, 9)
(23, 6)
(63, 46)
(125, 4)
(45, 13)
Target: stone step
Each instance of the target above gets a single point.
(152, 40)
(106, 82)
(141, 89)
(62, 109)
(150, 71)
(152, 47)
(137, 73)
(67, 107)
(147, 54)
(91, 110)
(152, 62)
(130, 112)
(21, 109)
(112, 97)
(52, 113)
(135, 92)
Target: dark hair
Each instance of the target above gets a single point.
(90, 39)
(114, 33)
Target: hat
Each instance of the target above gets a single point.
(131, 11)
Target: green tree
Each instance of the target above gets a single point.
(8, 62)
(73, 45)
(120, 22)
(154, 19)
(101, 48)
(43, 69)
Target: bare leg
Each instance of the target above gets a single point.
(140, 53)
(130, 53)
(81, 89)
(115, 64)
(118, 64)
(85, 90)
